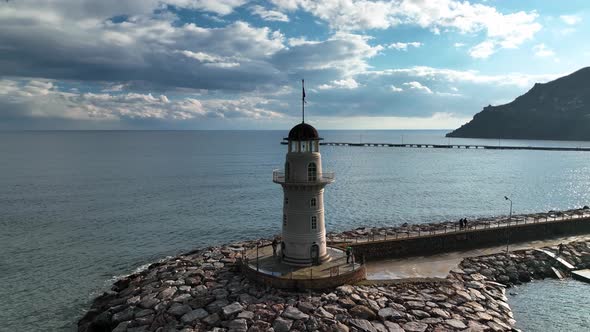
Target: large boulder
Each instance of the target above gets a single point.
(194, 315)
(231, 309)
(387, 313)
(282, 324)
(362, 312)
(294, 313)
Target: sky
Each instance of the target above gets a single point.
(238, 64)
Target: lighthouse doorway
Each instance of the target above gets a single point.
(315, 254)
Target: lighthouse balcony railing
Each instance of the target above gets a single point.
(278, 176)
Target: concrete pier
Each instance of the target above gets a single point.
(479, 235)
(458, 146)
(582, 275)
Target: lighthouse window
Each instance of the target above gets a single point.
(286, 200)
(311, 172)
(313, 202)
(314, 222)
(284, 220)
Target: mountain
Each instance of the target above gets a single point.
(557, 110)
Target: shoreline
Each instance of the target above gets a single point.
(203, 290)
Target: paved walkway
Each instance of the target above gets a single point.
(438, 266)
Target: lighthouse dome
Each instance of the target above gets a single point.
(303, 132)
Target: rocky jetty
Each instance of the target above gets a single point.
(521, 266)
(204, 291)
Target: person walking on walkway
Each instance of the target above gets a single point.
(465, 223)
(348, 254)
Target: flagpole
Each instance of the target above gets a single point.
(302, 101)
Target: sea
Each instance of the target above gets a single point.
(79, 209)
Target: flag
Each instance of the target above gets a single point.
(303, 87)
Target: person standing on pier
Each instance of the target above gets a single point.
(275, 244)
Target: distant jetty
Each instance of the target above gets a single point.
(205, 290)
(457, 146)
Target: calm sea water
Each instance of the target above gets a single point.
(551, 306)
(78, 209)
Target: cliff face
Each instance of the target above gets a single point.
(557, 110)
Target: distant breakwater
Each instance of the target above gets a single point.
(204, 291)
(458, 146)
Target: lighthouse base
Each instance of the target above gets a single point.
(306, 261)
(261, 266)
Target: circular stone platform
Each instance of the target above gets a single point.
(261, 266)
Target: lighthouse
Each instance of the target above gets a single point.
(303, 182)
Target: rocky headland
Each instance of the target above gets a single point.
(205, 291)
(557, 110)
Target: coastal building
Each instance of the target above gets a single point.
(303, 181)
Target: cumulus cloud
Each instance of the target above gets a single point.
(221, 7)
(209, 59)
(36, 99)
(501, 30)
(571, 19)
(347, 83)
(344, 53)
(414, 85)
(483, 50)
(142, 60)
(542, 51)
(465, 76)
(152, 49)
(404, 46)
(268, 14)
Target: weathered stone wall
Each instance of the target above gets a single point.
(302, 284)
(470, 239)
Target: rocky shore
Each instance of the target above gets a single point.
(204, 291)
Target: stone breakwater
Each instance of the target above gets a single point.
(204, 291)
(524, 265)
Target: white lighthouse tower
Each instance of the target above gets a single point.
(303, 182)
